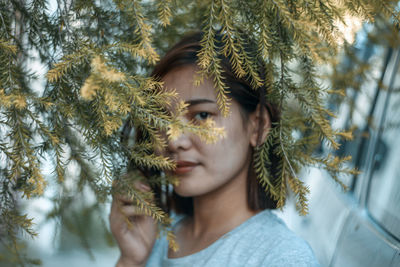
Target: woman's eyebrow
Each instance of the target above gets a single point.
(193, 102)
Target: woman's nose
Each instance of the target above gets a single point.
(181, 142)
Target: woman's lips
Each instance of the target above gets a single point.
(183, 167)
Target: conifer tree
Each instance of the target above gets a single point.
(99, 54)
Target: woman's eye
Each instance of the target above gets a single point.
(202, 116)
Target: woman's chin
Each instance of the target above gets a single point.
(185, 190)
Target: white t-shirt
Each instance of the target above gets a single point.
(262, 240)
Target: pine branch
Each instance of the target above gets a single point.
(164, 11)
(209, 61)
(68, 63)
(261, 164)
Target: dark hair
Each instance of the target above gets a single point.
(186, 52)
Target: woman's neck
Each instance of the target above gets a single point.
(214, 214)
(218, 212)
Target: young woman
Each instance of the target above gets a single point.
(227, 219)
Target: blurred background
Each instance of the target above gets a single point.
(361, 227)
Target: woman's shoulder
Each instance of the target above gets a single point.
(267, 224)
(272, 243)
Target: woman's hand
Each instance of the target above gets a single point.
(134, 232)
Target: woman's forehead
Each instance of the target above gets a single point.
(182, 81)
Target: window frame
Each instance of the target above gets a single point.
(373, 149)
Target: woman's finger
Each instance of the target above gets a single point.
(130, 210)
(123, 199)
(116, 217)
(124, 209)
(142, 186)
(138, 185)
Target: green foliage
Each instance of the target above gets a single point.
(99, 54)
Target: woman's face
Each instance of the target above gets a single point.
(204, 168)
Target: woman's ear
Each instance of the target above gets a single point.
(260, 124)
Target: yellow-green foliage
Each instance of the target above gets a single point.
(99, 54)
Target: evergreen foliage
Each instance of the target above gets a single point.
(99, 53)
